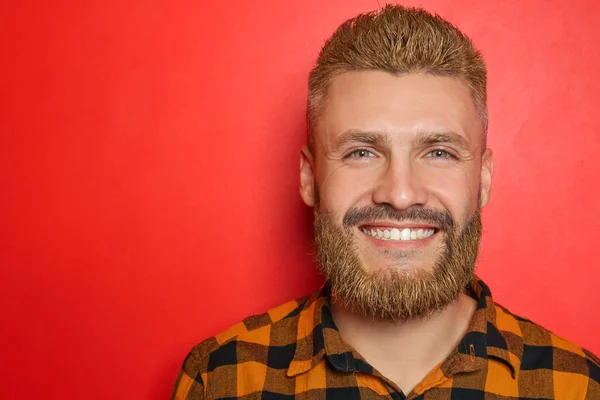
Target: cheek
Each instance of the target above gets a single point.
(343, 188)
(457, 191)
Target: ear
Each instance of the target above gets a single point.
(307, 177)
(487, 172)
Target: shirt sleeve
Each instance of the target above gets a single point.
(189, 385)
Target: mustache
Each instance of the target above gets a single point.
(438, 218)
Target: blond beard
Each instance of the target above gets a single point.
(393, 294)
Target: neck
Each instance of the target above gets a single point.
(405, 351)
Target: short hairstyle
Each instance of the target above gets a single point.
(398, 40)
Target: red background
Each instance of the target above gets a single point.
(149, 155)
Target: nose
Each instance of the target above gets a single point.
(399, 185)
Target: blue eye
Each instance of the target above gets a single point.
(440, 154)
(360, 153)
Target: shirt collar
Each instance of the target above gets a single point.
(488, 331)
(318, 337)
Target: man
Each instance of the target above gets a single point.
(397, 168)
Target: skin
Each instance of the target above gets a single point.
(404, 140)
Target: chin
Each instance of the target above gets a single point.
(405, 267)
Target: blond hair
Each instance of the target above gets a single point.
(398, 40)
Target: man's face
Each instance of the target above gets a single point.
(397, 174)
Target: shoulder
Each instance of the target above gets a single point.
(238, 343)
(539, 349)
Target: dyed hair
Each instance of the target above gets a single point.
(398, 40)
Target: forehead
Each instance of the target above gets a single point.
(378, 101)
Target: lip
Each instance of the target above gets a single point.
(398, 225)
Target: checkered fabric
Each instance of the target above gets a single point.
(295, 352)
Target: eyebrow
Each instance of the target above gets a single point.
(431, 138)
(381, 139)
(377, 139)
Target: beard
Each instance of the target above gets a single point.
(396, 294)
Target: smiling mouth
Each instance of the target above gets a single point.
(396, 234)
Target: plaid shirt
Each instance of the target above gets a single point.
(295, 351)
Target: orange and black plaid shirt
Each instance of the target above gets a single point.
(295, 352)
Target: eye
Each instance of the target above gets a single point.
(440, 154)
(360, 153)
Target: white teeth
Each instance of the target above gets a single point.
(397, 234)
(405, 234)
